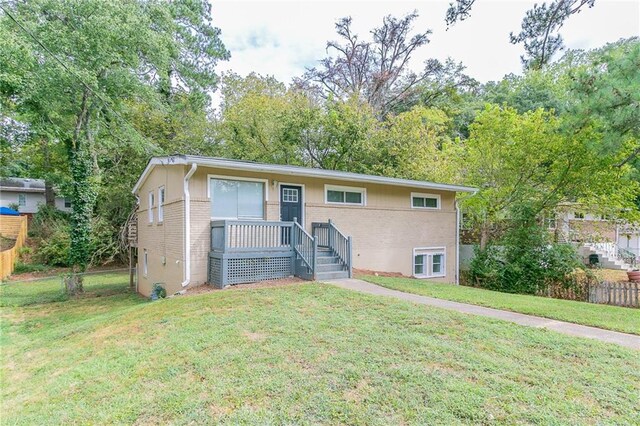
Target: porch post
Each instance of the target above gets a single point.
(315, 256)
(292, 239)
(349, 256)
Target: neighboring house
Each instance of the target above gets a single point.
(225, 222)
(27, 194)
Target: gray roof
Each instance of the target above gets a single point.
(224, 163)
(14, 184)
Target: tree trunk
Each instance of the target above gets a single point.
(73, 283)
(484, 235)
(49, 195)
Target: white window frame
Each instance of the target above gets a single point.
(151, 201)
(161, 197)
(22, 197)
(429, 252)
(265, 186)
(360, 190)
(422, 195)
(302, 194)
(145, 263)
(584, 216)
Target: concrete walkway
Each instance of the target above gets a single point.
(622, 339)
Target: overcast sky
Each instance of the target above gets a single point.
(282, 38)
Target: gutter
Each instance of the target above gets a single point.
(187, 226)
(457, 242)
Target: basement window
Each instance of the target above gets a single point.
(344, 195)
(425, 201)
(429, 262)
(22, 200)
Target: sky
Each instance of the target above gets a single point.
(281, 38)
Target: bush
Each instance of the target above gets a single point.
(528, 263)
(25, 268)
(54, 250)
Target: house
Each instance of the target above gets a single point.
(27, 195)
(224, 222)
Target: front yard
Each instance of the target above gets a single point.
(626, 320)
(303, 353)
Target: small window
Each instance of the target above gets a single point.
(290, 195)
(429, 263)
(550, 221)
(145, 263)
(425, 201)
(67, 203)
(151, 205)
(161, 204)
(578, 215)
(22, 200)
(344, 195)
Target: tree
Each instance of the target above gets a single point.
(82, 63)
(539, 28)
(375, 71)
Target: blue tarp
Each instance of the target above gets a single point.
(8, 212)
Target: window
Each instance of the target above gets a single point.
(425, 201)
(151, 205)
(290, 195)
(161, 204)
(429, 263)
(578, 215)
(550, 221)
(344, 195)
(22, 200)
(67, 203)
(145, 263)
(237, 199)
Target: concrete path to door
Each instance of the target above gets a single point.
(622, 339)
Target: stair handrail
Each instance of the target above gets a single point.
(341, 246)
(305, 246)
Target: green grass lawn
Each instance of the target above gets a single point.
(604, 316)
(299, 354)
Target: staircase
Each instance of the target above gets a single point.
(329, 266)
(608, 254)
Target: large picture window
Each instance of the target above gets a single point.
(429, 262)
(236, 199)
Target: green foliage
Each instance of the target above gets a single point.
(25, 268)
(528, 262)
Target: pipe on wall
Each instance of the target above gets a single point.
(187, 226)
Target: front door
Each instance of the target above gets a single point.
(290, 203)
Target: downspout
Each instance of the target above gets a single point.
(187, 226)
(457, 242)
(137, 246)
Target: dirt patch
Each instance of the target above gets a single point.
(205, 288)
(362, 272)
(612, 275)
(6, 243)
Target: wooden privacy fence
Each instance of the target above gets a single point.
(11, 227)
(619, 293)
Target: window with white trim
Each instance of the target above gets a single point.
(67, 203)
(290, 195)
(425, 201)
(344, 195)
(151, 205)
(161, 204)
(578, 215)
(429, 263)
(145, 263)
(550, 221)
(22, 200)
(237, 199)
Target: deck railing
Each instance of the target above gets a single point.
(329, 236)
(305, 246)
(250, 236)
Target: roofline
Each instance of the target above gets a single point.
(223, 163)
(17, 189)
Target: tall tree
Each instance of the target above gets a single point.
(82, 64)
(539, 29)
(376, 71)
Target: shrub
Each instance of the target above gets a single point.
(528, 262)
(25, 268)
(54, 250)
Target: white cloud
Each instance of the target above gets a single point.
(282, 38)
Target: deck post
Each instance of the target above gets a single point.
(349, 256)
(292, 239)
(329, 239)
